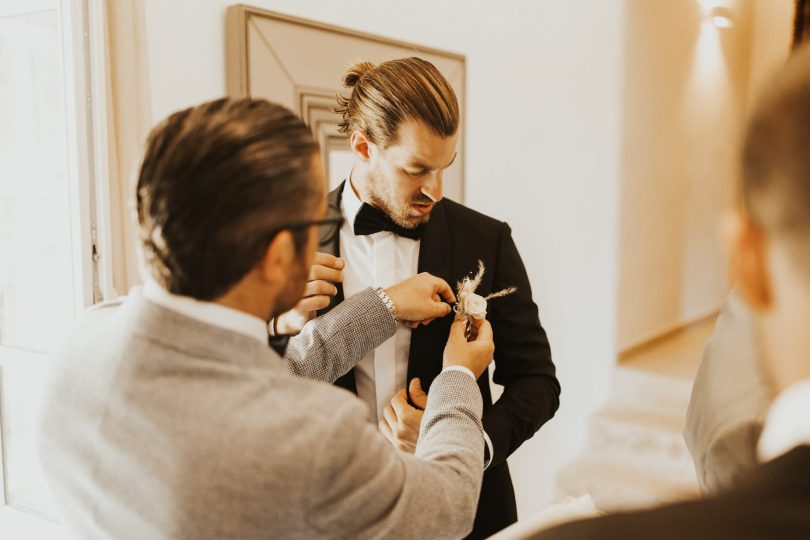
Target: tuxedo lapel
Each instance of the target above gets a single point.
(434, 249)
(427, 342)
(333, 247)
(333, 210)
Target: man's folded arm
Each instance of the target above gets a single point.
(332, 344)
(362, 487)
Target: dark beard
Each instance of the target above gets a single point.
(403, 220)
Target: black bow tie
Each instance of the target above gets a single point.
(369, 220)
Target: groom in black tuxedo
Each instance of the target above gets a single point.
(402, 119)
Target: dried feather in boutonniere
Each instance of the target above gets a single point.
(471, 305)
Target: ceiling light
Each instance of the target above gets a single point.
(721, 17)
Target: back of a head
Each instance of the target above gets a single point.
(776, 159)
(393, 92)
(216, 182)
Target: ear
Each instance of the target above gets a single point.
(748, 264)
(361, 146)
(274, 266)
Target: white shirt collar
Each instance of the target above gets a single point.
(787, 425)
(351, 204)
(207, 312)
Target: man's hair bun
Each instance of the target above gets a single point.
(355, 73)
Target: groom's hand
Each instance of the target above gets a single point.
(401, 421)
(326, 271)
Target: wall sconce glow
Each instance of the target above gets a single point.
(721, 17)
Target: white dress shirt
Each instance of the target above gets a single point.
(787, 424)
(381, 259)
(207, 312)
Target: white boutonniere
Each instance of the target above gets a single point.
(471, 305)
(474, 305)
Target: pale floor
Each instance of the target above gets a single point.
(635, 455)
(675, 355)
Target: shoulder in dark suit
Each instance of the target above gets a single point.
(455, 238)
(771, 504)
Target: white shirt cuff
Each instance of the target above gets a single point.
(461, 369)
(488, 442)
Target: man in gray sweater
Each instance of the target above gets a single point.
(169, 416)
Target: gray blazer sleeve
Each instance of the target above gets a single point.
(332, 344)
(365, 488)
(729, 402)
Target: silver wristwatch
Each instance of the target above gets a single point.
(386, 300)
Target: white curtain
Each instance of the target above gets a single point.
(128, 122)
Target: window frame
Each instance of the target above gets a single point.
(83, 39)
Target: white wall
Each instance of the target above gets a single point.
(684, 107)
(771, 38)
(688, 89)
(543, 121)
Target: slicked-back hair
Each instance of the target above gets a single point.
(385, 96)
(216, 182)
(776, 158)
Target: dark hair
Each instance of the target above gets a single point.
(216, 182)
(384, 96)
(776, 157)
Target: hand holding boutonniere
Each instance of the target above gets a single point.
(471, 305)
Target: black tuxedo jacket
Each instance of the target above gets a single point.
(772, 503)
(454, 240)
